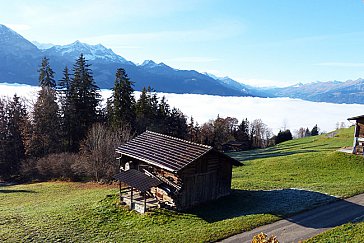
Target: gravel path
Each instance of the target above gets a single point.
(310, 223)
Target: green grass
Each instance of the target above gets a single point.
(61, 211)
(310, 163)
(55, 211)
(351, 232)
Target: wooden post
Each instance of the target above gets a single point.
(145, 202)
(131, 198)
(119, 160)
(120, 191)
(355, 138)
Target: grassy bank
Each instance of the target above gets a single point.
(351, 232)
(263, 192)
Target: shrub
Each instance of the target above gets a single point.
(263, 238)
(52, 166)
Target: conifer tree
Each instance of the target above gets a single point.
(65, 83)
(315, 131)
(307, 132)
(84, 98)
(142, 109)
(242, 134)
(193, 131)
(122, 102)
(162, 114)
(17, 124)
(46, 74)
(3, 140)
(66, 110)
(46, 119)
(177, 124)
(283, 136)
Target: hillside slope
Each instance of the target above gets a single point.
(310, 163)
(263, 192)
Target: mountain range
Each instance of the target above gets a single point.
(20, 59)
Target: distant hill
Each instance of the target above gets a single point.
(351, 91)
(19, 61)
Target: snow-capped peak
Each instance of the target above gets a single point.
(90, 52)
(149, 63)
(297, 85)
(152, 65)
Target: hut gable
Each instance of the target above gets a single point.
(184, 173)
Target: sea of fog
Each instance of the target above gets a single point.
(275, 112)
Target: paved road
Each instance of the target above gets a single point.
(310, 223)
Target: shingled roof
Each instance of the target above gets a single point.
(163, 151)
(137, 179)
(356, 117)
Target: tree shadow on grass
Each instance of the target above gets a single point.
(277, 152)
(4, 188)
(3, 183)
(263, 155)
(282, 203)
(16, 191)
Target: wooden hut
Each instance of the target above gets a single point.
(358, 143)
(233, 146)
(176, 173)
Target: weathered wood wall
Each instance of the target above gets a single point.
(360, 128)
(206, 179)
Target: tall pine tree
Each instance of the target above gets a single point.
(84, 98)
(46, 74)
(17, 127)
(3, 140)
(46, 119)
(122, 103)
(64, 86)
(143, 110)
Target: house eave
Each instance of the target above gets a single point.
(146, 161)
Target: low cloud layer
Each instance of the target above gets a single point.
(275, 112)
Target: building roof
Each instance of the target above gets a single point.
(356, 117)
(137, 179)
(164, 151)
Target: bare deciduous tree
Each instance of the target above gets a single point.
(98, 151)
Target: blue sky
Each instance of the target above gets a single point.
(258, 42)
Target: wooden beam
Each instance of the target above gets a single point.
(355, 138)
(131, 198)
(120, 190)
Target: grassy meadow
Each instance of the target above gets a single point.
(273, 183)
(310, 163)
